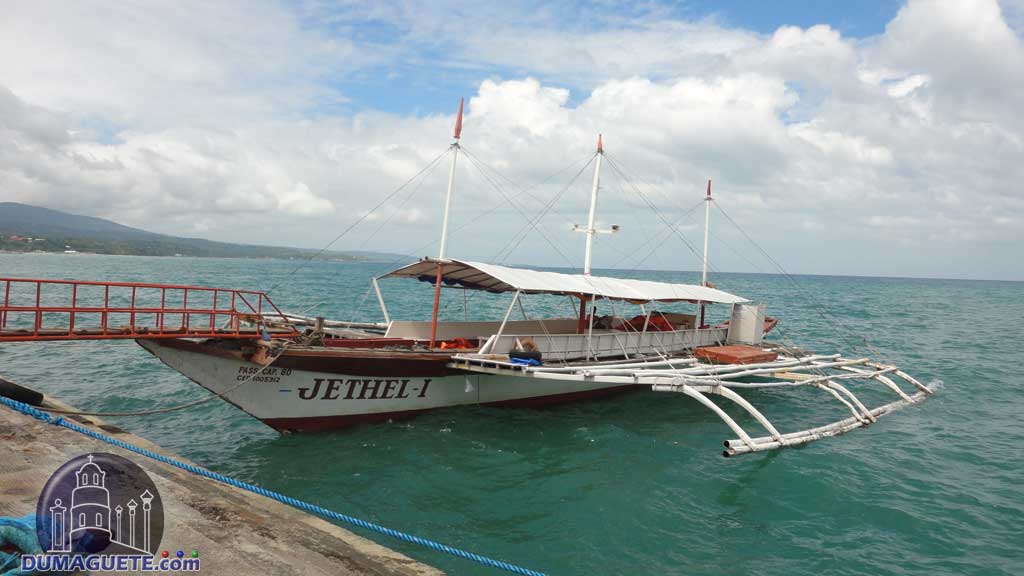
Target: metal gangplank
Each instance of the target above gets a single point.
(48, 310)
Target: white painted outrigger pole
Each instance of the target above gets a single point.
(704, 272)
(444, 224)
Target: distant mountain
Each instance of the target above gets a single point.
(25, 228)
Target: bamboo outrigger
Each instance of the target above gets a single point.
(690, 377)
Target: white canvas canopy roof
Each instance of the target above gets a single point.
(493, 278)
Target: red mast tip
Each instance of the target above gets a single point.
(709, 188)
(600, 146)
(458, 120)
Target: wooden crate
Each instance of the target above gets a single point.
(735, 354)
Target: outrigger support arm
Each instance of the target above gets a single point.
(698, 380)
(807, 371)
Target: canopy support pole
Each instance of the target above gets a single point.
(380, 298)
(437, 303)
(590, 329)
(581, 325)
(504, 321)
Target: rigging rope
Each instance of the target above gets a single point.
(586, 160)
(531, 223)
(359, 220)
(680, 235)
(657, 245)
(641, 226)
(481, 215)
(412, 192)
(720, 240)
(525, 191)
(815, 306)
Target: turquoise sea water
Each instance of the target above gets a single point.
(633, 484)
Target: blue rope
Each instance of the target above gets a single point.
(20, 533)
(306, 506)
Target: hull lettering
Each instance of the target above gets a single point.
(364, 389)
(401, 391)
(333, 388)
(309, 394)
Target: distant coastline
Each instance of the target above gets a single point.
(329, 258)
(80, 246)
(33, 229)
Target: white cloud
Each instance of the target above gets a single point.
(906, 86)
(893, 221)
(223, 119)
(146, 65)
(301, 202)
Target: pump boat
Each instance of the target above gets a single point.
(299, 374)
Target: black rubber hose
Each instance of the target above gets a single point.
(20, 393)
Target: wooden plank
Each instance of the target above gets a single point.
(735, 354)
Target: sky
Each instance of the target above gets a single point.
(848, 138)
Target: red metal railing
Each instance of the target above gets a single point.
(36, 309)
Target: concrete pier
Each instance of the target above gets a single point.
(235, 532)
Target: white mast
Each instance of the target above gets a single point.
(590, 230)
(704, 273)
(593, 208)
(451, 183)
(707, 222)
(444, 226)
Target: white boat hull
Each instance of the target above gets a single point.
(291, 399)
